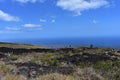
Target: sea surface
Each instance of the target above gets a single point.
(74, 42)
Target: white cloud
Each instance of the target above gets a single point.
(30, 1)
(32, 27)
(43, 20)
(53, 20)
(8, 32)
(13, 28)
(7, 17)
(77, 6)
(23, 28)
(94, 21)
(53, 16)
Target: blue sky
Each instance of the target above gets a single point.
(59, 18)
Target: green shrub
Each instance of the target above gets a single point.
(14, 57)
(117, 77)
(48, 59)
(4, 69)
(34, 60)
(82, 65)
(117, 64)
(106, 65)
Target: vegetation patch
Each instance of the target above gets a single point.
(4, 69)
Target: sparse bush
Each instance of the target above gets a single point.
(49, 59)
(87, 73)
(4, 69)
(103, 65)
(117, 64)
(82, 65)
(34, 60)
(91, 46)
(14, 57)
(117, 77)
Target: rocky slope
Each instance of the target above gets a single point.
(31, 63)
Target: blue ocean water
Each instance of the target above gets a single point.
(74, 42)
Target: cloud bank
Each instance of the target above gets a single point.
(77, 6)
(7, 17)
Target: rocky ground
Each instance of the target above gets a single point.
(83, 63)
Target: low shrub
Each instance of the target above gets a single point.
(106, 65)
(4, 69)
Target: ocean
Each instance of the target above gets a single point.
(73, 42)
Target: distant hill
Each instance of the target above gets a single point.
(15, 45)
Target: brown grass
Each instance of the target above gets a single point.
(15, 77)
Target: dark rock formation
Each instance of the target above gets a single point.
(22, 50)
(33, 70)
(87, 58)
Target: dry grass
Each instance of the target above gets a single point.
(19, 46)
(80, 74)
(86, 74)
(4, 69)
(55, 76)
(15, 77)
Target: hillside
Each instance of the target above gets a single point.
(27, 62)
(14, 45)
